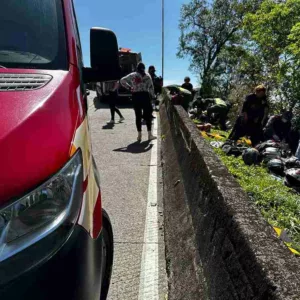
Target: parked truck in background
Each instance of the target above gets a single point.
(128, 62)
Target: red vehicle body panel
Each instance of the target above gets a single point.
(70, 34)
(40, 130)
(36, 131)
(38, 127)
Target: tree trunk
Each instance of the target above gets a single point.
(206, 86)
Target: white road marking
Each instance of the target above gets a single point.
(149, 267)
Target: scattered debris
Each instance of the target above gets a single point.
(216, 144)
(177, 182)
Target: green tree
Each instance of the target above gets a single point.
(209, 30)
(245, 72)
(275, 28)
(238, 65)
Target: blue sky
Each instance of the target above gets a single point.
(137, 24)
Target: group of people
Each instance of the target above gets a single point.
(254, 122)
(216, 110)
(144, 88)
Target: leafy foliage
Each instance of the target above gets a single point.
(275, 29)
(235, 45)
(208, 30)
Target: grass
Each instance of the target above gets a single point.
(279, 204)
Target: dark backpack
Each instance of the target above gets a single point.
(230, 148)
(263, 146)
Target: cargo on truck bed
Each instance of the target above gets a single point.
(128, 62)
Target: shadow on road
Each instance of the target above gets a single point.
(108, 126)
(136, 147)
(104, 105)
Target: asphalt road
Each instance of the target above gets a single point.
(132, 195)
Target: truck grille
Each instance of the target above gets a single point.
(23, 82)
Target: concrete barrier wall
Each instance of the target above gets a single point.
(218, 245)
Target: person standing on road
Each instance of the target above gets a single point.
(113, 96)
(141, 86)
(151, 72)
(187, 84)
(157, 83)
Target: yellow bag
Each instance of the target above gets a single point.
(282, 234)
(204, 134)
(244, 140)
(216, 136)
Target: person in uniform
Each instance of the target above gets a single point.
(253, 117)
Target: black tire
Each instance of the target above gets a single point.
(108, 254)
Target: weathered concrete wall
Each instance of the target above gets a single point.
(218, 244)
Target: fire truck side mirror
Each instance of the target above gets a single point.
(104, 53)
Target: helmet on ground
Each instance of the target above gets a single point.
(292, 162)
(292, 178)
(270, 143)
(251, 156)
(230, 148)
(271, 153)
(276, 166)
